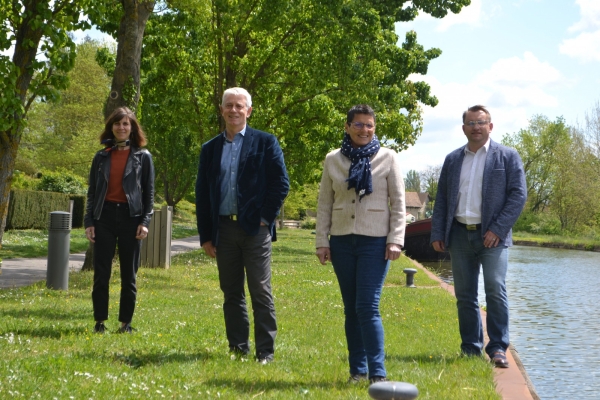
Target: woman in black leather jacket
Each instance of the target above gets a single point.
(119, 207)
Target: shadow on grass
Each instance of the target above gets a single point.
(47, 314)
(137, 360)
(426, 358)
(47, 332)
(293, 250)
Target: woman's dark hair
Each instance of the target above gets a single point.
(359, 109)
(137, 137)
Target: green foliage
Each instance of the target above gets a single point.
(64, 133)
(30, 209)
(412, 182)
(22, 181)
(180, 348)
(543, 223)
(309, 223)
(299, 200)
(305, 63)
(61, 181)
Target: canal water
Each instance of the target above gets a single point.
(554, 298)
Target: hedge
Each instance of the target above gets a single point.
(28, 209)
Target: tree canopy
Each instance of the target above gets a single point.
(43, 51)
(304, 62)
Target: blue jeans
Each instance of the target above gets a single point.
(468, 254)
(360, 265)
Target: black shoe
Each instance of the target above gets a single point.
(99, 327)
(238, 351)
(127, 328)
(375, 379)
(355, 378)
(499, 359)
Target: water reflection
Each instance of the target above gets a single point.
(554, 317)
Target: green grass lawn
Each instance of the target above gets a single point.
(179, 349)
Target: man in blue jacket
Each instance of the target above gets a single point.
(481, 193)
(241, 184)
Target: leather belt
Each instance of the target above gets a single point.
(470, 227)
(231, 217)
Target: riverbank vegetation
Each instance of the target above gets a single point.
(179, 349)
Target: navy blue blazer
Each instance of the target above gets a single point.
(262, 184)
(504, 193)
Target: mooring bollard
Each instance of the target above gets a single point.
(410, 276)
(393, 391)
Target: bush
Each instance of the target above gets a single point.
(23, 181)
(309, 223)
(62, 181)
(541, 223)
(31, 210)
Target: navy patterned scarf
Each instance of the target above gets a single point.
(359, 175)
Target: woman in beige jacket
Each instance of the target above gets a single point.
(360, 228)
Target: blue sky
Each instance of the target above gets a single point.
(518, 57)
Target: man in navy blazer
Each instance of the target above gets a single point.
(481, 193)
(241, 184)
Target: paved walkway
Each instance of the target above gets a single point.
(512, 383)
(17, 272)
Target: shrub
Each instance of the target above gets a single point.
(309, 223)
(62, 181)
(543, 223)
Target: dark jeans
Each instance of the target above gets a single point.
(360, 265)
(240, 255)
(115, 226)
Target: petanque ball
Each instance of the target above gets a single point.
(393, 391)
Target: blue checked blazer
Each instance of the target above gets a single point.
(504, 193)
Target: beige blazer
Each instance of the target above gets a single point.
(381, 213)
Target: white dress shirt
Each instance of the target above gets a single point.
(471, 181)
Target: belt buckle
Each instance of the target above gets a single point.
(233, 217)
(472, 227)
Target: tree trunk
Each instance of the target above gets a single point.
(9, 143)
(125, 87)
(26, 44)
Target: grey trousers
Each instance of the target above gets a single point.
(240, 255)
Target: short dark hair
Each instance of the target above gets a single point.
(477, 107)
(137, 138)
(359, 109)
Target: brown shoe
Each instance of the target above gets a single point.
(499, 359)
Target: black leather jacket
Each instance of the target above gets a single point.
(138, 184)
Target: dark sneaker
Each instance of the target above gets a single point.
(375, 379)
(355, 378)
(99, 327)
(127, 328)
(265, 359)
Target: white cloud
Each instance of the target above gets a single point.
(470, 15)
(585, 46)
(513, 89)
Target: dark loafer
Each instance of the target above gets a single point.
(499, 359)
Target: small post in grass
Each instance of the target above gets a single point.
(393, 391)
(410, 277)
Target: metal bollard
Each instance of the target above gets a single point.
(59, 235)
(410, 275)
(393, 391)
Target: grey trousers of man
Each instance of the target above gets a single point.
(240, 255)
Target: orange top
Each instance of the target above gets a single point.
(115, 192)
